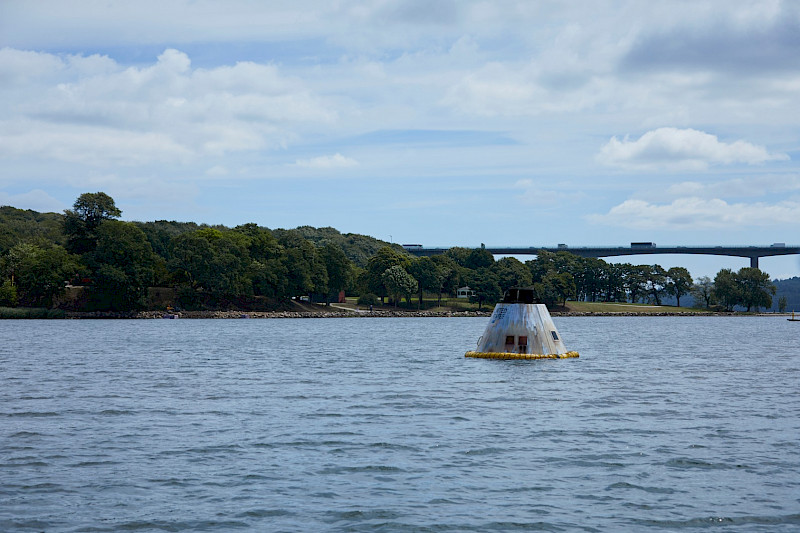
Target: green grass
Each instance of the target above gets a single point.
(30, 312)
(619, 307)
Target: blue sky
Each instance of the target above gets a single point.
(441, 123)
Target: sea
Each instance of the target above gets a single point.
(382, 424)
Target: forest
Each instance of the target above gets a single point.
(42, 255)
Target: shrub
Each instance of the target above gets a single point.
(30, 312)
(368, 299)
(8, 294)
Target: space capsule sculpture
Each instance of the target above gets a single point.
(520, 328)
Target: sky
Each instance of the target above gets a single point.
(442, 123)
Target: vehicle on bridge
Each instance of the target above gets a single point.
(412, 246)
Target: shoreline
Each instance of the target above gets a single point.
(193, 315)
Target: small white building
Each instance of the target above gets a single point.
(464, 292)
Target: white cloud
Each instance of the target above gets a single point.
(681, 149)
(96, 112)
(698, 213)
(327, 161)
(752, 187)
(217, 170)
(37, 200)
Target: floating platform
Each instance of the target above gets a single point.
(504, 355)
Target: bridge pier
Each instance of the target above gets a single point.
(754, 262)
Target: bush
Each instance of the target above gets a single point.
(368, 299)
(8, 294)
(30, 312)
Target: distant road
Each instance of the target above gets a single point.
(753, 252)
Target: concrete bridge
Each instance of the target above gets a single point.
(643, 248)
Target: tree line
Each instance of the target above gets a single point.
(249, 265)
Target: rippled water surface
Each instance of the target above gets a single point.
(382, 425)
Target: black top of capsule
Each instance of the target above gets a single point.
(518, 295)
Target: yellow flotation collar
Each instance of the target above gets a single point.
(506, 355)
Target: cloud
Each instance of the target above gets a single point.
(695, 213)
(752, 187)
(545, 197)
(96, 112)
(327, 161)
(763, 37)
(681, 149)
(37, 200)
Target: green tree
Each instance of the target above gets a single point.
(726, 289)
(679, 282)
(479, 258)
(449, 275)
(306, 272)
(122, 266)
(267, 269)
(383, 259)
(427, 274)
(782, 303)
(399, 283)
(41, 273)
(755, 288)
(511, 272)
(8, 294)
(615, 282)
(636, 281)
(555, 287)
(592, 277)
(338, 269)
(212, 261)
(656, 282)
(486, 286)
(81, 222)
(703, 291)
(459, 255)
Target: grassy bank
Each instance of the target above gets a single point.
(30, 312)
(619, 307)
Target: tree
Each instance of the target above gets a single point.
(88, 212)
(479, 258)
(399, 283)
(656, 282)
(267, 269)
(458, 254)
(122, 266)
(726, 289)
(383, 259)
(755, 288)
(337, 267)
(703, 290)
(486, 286)
(782, 303)
(8, 294)
(679, 282)
(636, 281)
(449, 275)
(427, 274)
(555, 287)
(511, 272)
(306, 272)
(41, 273)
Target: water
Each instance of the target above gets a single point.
(382, 425)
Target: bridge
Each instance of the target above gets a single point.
(648, 248)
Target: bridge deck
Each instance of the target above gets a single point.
(752, 252)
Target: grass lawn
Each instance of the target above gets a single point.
(618, 307)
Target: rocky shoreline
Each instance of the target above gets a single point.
(347, 314)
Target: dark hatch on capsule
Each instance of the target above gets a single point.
(519, 296)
